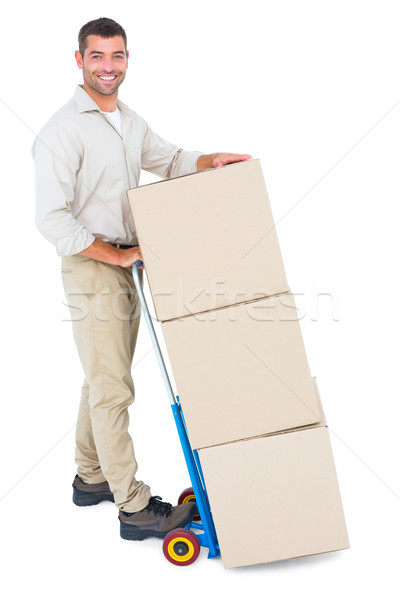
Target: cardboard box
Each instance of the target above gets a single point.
(242, 371)
(275, 497)
(208, 240)
(320, 407)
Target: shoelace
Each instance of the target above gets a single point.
(158, 508)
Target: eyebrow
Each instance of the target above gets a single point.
(99, 52)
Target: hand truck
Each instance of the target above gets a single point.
(182, 546)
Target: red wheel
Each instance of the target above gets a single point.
(188, 496)
(181, 547)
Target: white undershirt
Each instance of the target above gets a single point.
(115, 118)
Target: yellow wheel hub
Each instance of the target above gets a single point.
(176, 556)
(188, 499)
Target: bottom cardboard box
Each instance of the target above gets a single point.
(275, 497)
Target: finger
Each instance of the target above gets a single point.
(227, 159)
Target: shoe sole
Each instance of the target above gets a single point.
(81, 498)
(129, 533)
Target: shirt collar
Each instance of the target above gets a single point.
(84, 103)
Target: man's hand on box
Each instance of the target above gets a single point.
(220, 159)
(223, 158)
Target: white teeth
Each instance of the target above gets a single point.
(105, 78)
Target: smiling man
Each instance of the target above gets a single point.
(100, 81)
(86, 157)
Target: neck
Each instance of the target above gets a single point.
(105, 103)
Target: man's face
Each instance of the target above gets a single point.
(104, 63)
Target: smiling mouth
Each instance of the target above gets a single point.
(107, 77)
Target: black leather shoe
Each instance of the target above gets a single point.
(88, 494)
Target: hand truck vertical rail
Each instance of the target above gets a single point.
(178, 552)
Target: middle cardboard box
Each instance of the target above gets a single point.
(242, 371)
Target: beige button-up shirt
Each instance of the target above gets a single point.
(83, 168)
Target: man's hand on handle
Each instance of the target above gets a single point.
(128, 256)
(123, 257)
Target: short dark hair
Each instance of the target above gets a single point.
(105, 28)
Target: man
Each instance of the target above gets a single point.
(86, 157)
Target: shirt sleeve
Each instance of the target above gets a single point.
(165, 159)
(57, 161)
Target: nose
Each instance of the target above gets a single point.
(108, 65)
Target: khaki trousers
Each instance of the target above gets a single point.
(105, 313)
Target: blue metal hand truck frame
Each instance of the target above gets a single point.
(181, 549)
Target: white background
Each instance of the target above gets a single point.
(312, 89)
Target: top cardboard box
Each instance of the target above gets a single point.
(208, 240)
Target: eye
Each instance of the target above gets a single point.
(119, 56)
(95, 56)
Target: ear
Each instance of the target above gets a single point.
(127, 57)
(79, 59)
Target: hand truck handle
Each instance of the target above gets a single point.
(138, 264)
